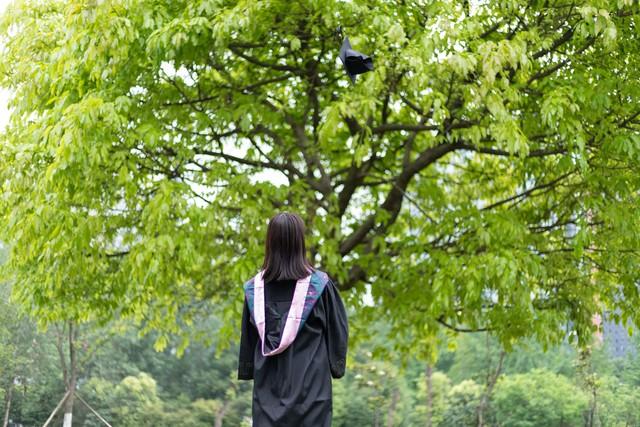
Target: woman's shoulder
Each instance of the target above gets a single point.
(320, 278)
(249, 284)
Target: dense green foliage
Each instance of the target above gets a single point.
(480, 178)
(539, 398)
(132, 385)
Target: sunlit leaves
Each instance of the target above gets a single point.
(151, 140)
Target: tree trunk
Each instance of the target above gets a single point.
(392, 407)
(69, 371)
(68, 406)
(593, 405)
(7, 405)
(429, 373)
(221, 413)
(491, 382)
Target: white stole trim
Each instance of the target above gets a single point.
(293, 318)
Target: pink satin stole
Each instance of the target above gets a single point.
(293, 318)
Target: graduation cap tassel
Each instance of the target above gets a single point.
(354, 62)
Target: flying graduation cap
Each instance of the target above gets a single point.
(354, 62)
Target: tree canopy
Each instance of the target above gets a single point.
(482, 177)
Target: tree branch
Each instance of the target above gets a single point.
(393, 201)
(459, 329)
(260, 63)
(498, 152)
(528, 192)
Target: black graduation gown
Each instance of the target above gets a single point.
(293, 388)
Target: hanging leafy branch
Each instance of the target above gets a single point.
(150, 141)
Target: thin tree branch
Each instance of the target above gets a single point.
(459, 329)
(528, 192)
(393, 201)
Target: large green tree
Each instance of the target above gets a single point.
(555, 402)
(482, 177)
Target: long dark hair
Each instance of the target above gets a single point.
(285, 254)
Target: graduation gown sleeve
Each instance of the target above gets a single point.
(248, 341)
(337, 334)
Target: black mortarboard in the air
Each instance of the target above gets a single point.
(354, 62)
